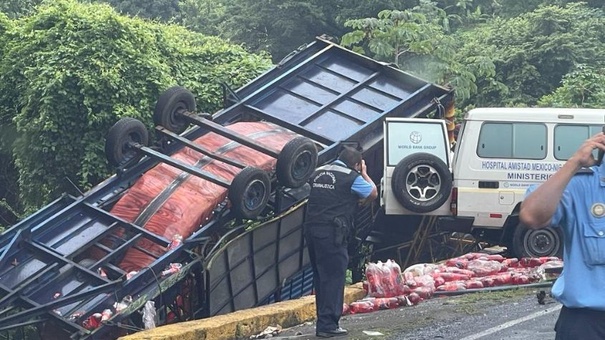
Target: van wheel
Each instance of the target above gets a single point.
(421, 182)
(528, 242)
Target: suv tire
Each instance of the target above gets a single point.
(421, 182)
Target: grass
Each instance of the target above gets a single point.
(467, 302)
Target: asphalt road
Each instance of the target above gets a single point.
(510, 315)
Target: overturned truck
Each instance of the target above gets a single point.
(208, 218)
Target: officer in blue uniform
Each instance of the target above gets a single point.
(575, 201)
(336, 191)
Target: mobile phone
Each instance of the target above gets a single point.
(600, 152)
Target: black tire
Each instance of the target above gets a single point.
(249, 192)
(296, 162)
(528, 242)
(117, 145)
(170, 105)
(421, 182)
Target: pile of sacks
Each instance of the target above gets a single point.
(388, 287)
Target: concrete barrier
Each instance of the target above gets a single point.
(244, 323)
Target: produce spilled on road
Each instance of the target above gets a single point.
(387, 286)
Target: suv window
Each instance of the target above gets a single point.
(512, 140)
(568, 138)
(406, 138)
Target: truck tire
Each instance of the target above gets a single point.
(117, 144)
(249, 192)
(528, 242)
(170, 105)
(421, 182)
(296, 162)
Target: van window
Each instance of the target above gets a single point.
(568, 138)
(512, 140)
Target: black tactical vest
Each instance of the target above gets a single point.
(331, 195)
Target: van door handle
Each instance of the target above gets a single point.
(489, 184)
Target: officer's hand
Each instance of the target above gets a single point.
(363, 166)
(584, 155)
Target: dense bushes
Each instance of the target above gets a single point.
(71, 70)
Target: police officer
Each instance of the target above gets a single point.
(336, 191)
(575, 201)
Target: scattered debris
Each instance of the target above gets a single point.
(149, 314)
(541, 296)
(176, 241)
(268, 332)
(172, 268)
(101, 272)
(120, 306)
(131, 274)
(372, 333)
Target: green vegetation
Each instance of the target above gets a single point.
(71, 70)
(467, 303)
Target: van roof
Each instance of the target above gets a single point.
(534, 114)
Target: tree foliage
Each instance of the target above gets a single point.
(202, 16)
(281, 26)
(504, 61)
(71, 70)
(533, 52)
(583, 87)
(164, 10)
(18, 8)
(417, 40)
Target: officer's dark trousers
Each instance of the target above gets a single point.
(329, 262)
(580, 323)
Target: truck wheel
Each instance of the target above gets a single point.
(296, 162)
(117, 144)
(170, 105)
(528, 242)
(249, 192)
(421, 182)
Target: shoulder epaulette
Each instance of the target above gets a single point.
(335, 167)
(584, 171)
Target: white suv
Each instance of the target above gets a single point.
(498, 154)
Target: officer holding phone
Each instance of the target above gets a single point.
(575, 201)
(336, 191)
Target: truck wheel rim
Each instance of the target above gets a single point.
(302, 165)
(254, 195)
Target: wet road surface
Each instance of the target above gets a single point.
(511, 315)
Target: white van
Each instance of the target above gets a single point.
(498, 154)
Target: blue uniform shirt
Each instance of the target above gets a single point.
(581, 215)
(361, 187)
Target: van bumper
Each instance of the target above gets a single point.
(455, 224)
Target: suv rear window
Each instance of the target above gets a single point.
(512, 140)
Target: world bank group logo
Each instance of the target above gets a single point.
(415, 137)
